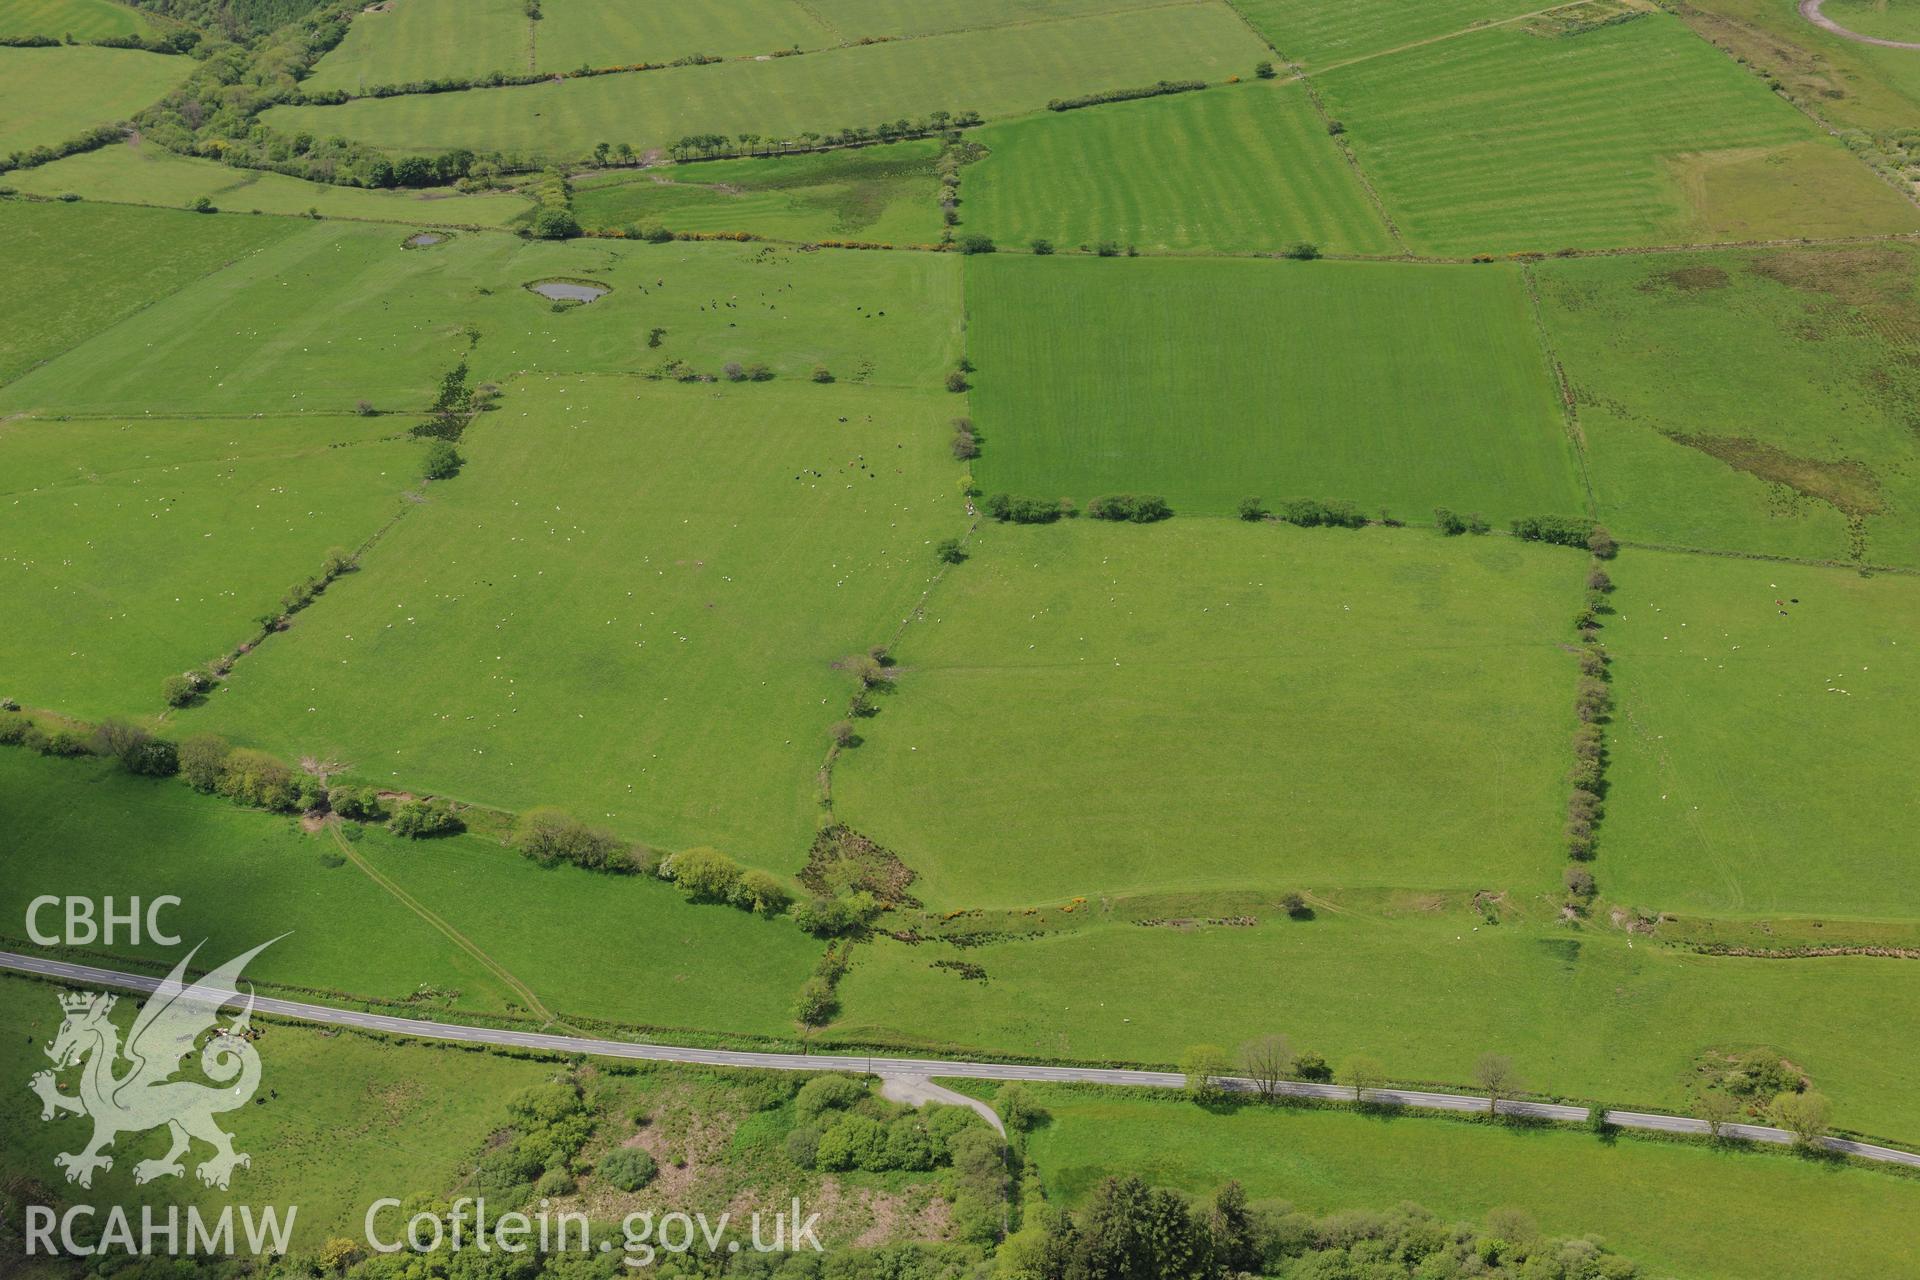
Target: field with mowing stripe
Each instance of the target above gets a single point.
(1236, 168)
(1678, 1209)
(1424, 988)
(1743, 401)
(76, 270)
(339, 313)
(148, 174)
(425, 39)
(1317, 35)
(889, 194)
(1218, 704)
(586, 33)
(630, 603)
(852, 19)
(996, 72)
(1506, 140)
(51, 96)
(80, 19)
(1766, 710)
(136, 550)
(1405, 387)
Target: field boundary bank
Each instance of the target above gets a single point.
(932, 1068)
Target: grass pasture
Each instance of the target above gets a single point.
(629, 604)
(888, 193)
(852, 19)
(1211, 704)
(51, 96)
(996, 72)
(152, 175)
(1507, 140)
(80, 19)
(1235, 168)
(1675, 1209)
(76, 270)
(1765, 712)
(1876, 18)
(1392, 385)
(136, 550)
(339, 313)
(1749, 401)
(1852, 84)
(1425, 988)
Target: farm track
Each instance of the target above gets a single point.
(923, 1069)
(1810, 10)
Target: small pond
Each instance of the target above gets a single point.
(569, 290)
(424, 239)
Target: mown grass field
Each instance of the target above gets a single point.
(580, 33)
(1675, 1209)
(1231, 169)
(1760, 402)
(139, 549)
(339, 313)
(995, 71)
(1766, 713)
(1425, 988)
(81, 19)
(1317, 35)
(78, 269)
(1216, 704)
(1854, 85)
(153, 176)
(629, 603)
(1208, 381)
(51, 96)
(1875, 18)
(1506, 140)
(852, 19)
(426, 39)
(341, 1120)
(84, 827)
(889, 194)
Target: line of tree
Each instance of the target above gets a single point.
(1158, 88)
(91, 140)
(719, 146)
(179, 40)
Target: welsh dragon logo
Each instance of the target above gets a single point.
(144, 1095)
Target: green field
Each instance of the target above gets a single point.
(1425, 988)
(1401, 386)
(341, 1120)
(629, 603)
(150, 175)
(852, 19)
(427, 39)
(1317, 35)
(1507, 140)
(1237, 168)
(339, 313)
(1679, 1210)
(996, 72)
(86, 828)
(889, 194)
(1215, 704)
(1753, 729)
(77, 270)
(583, 33)
(139, 549)
(1759, 402)
(80, 19)
(1852, 84)
(51, 96)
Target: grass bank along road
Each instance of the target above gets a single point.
(922, 1068)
